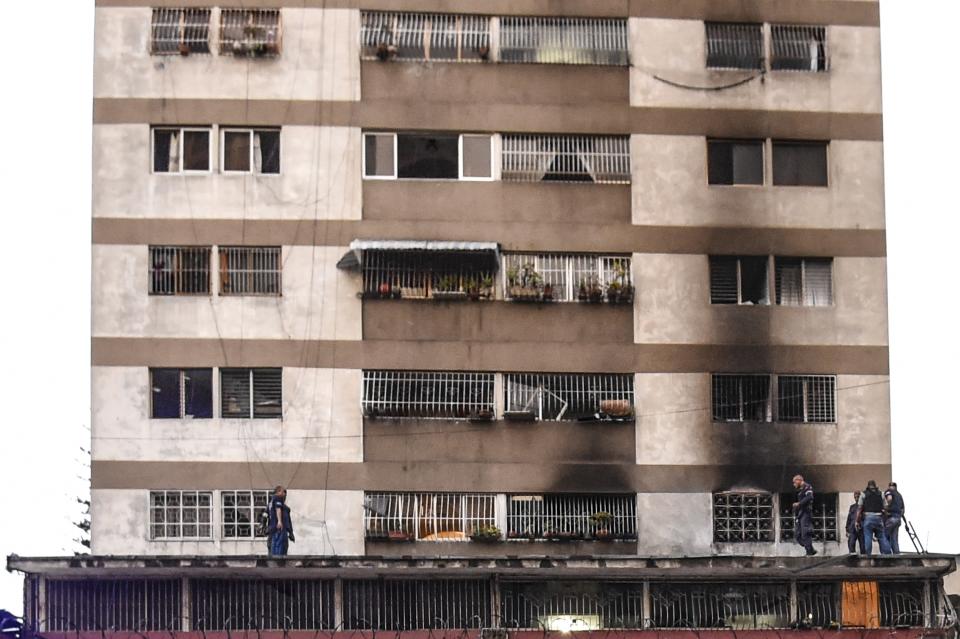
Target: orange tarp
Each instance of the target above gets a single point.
(860, 604)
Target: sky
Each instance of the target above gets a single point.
(45, 324)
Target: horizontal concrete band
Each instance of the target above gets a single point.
(480, 356)
(501, 117)
(464, 225)
(487, 476)
(841, 12)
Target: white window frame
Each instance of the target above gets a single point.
(255, 512)
(460, 175)
(251, 131)
(363, 159)
(212, 523)
(211, 132)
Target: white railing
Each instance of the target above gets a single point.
(597, 517)
(741, 398)
(427, 516)
(743, 517)
(734, 46)
(425, 36)
(246, 270)
(557, 40)
(807, 398)
(180, 31)
(798, 48)
(179, 270)
(571, 397)
(566, 158)
(428, 394)
(254, 32)
(564, 277)
(427, 274)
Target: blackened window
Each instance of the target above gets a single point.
(799, 163)
(735, 161)
(741, 398)
(742, 517)
(824, 516)
(798, 47)
(734, 45)
(738, 280)
(181, 392)
(428, 156)
(807, 398)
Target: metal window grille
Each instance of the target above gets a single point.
(427, 604)
(734, 46)
(246, 270)
(720, 605)
(569, 276)
(179, 270)
(252, 32)
(422, 36)
(738, 280)
(901, 604)
(424, 274)
(818, 604)
(566, 158)
(251, 393)
(824, 517)
(547, 516)
(571, 605)
(181, 514)
(182, 31)
(556, 397)
(428, 394)
(742, 517)
(262, 604)
(804, 281)
(798, 48)
(240, 511)
(555, 40)
(741, 398)
(807, 398)
(428, 516)
(78, 605)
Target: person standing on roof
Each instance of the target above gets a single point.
(803, 511)
(893, 515)
(870, 517)
(279, 528)
(854, 534)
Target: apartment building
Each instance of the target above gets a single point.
(539, 280)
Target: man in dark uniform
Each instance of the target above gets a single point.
(870, 517)
(854, 536)
(803, 511)
(279, 528)
(893, 515)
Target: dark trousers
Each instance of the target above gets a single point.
(891, 526)
(278, 543)
(804, 531)
(855, 542)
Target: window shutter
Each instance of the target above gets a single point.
(817, 282)
(235, 392)
(267, 392)
(789, 281)
(723, 280)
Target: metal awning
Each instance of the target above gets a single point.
(353, 258)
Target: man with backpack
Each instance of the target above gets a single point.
(279, 527)
(870, 518)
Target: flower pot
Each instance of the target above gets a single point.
(399, 535)
(484, 539)
(385, 290)
(616, 407)
(602, 534)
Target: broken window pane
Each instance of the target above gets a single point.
(735, 162)
(268, 143)
(753, 280)
(476, 156)
(798, 48)
(165, 393)
(378, 151)
(236, 151)
(196, 150)
(433, 157)
(799, 163)
(166, 145)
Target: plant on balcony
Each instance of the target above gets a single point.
(525, 284)
(486, 534)
(563, 535)
(620, 290)
(601, 525)
(486, 287)
(448, 288)
(589, 290)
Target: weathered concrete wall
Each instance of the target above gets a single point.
(320, 60)
(321, 422)
(325, 522)
(675, 50)
(319, 301)
(319, 178)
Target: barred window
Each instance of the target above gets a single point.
(250, 32)
(176, 393)
(561, 277)
(557, 40)
(563, 607)
(182, 31)
(739, 280)
(566, 158)
(800, 163)
(804, 281)
(428, 394)
(434, 603)
(251, 393)
(570, 397)
(250, 151)
(741, 398)
(427, 516)
(720, 605)
(807, 398)
(798, 48)
(824, 517)
(181, 514)
(596, 517)
(901, 604)
(240, 510)
(734, 46)
(122, 605)
(732, 162)
(423, 36)
(742, 517)
(248, 270)
(236, 602)
(179, 270)
(429, 274)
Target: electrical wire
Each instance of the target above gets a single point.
(723, 87)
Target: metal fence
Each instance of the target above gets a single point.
(564, 517)
(179, 270)
(425, 36)
(807, 398)
(720, 605)
(743, 517)
(734, 46)
(427, 516)
(824, 517)
(557, 40)
(570, 397)
(566, 158)
(427, 274)
(901, 604)
(428, 394)
(798, 48)
(182, 31)
(570, 277)
(76, 605)
(247, 270)
(252, 32)
(428, 604)
(264, 604)
(818, 604)
(571, 605)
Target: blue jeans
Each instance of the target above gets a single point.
(873, 525)
(278, 543)
(892, 527)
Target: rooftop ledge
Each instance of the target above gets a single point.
(913, 566)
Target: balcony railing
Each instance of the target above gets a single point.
(446, 275)
(568, 397)
(566, 158)
(558, 40)
(559, 277)
(736, 606)
(572, 517)
(428, 395)
(427, 516)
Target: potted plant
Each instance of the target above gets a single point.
(486, 534)
(548, 292)
(448, 288)
(601, 525)
(524, 284)
(613, 292)
(592, 292)
(481, 415)
(620, 290)
(486, 287)
(399, 535)
(473, 289)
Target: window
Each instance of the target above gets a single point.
(741, 398)
(181, 150)
(427, 156)
(799, 163)
(729, 606)
(557, 40)
(738, 280)
(824, 517)
(182, 31)
(735, 162)
(597, 517)
(569, 397)
(734, 46)
(251, 393)
(568, 607)
(176, 393)
(563, 277)
(428, 274)
(427, 516)
(181, 514)
(179, 270)
(422, 36)
(804, 281)
(250, 151)
(248, 270)
(807, 398)
(250, 32)
(742, 517)
(240, 511)
(427, 395)
(566, 158)
(798, 48)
